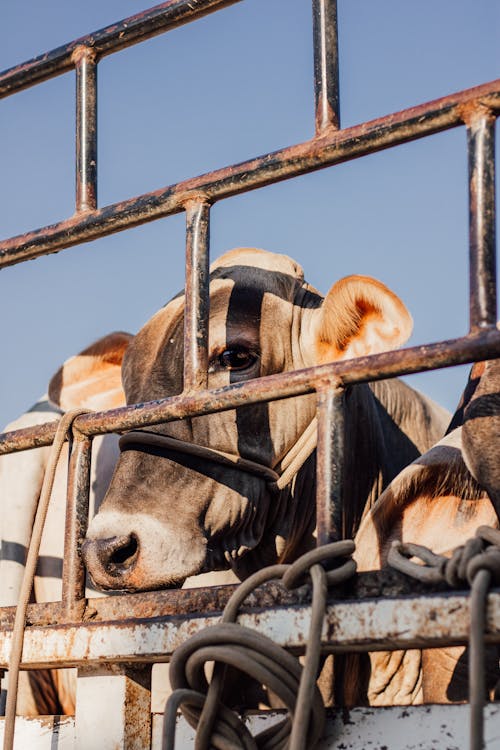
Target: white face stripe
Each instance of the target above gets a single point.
(164, 555)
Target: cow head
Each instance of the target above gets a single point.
(164, 519)
(441, 498)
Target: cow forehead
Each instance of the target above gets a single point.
(257, 258)
(235, 293)
(244, 299)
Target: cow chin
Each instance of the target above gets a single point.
(139, 553)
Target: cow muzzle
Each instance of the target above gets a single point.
(136, 552)
(111, 558)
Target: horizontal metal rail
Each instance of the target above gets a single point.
(387, 583)
(369, 625)
(481, 345)
(329, 148)
(110, 39)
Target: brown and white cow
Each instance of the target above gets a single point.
(164, 519)
(438, 501)
(264, 319)
(91, 379)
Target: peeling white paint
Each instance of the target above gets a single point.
(397, 728)
(43, 733)
(397, 623)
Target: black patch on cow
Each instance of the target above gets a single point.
(252, 422)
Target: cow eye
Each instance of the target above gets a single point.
(236, 358)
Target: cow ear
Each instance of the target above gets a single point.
(92, 379)
(360, 316)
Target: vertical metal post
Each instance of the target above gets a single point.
(77, 511)
(482, 248)
(326, 65)
(113, 707)
(330, 465)
(197, 295)
(86, 129)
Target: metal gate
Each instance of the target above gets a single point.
(151, 625)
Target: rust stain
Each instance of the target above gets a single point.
(83, 52)
(471, 111)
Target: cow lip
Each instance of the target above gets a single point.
(139, 589)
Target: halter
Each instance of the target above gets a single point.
(289, 465)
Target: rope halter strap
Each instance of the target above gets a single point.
(294, 459)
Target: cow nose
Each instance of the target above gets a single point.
(114, 556)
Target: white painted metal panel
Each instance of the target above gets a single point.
(397, 728)
(367, 624)
(43, 733)
(113, 706)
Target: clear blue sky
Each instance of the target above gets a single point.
(235, 85)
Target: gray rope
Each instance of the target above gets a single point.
(252, 653)
(477, 563)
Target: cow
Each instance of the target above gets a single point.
(438, 501)
(92, 380)
(264, 319)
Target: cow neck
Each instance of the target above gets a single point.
(147, 442)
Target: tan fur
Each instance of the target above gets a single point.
(92, 378)
(434, 502)
(360, 316)
(256, 258)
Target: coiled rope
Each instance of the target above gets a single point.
(63, 428)
(477, 563)
(255, 655)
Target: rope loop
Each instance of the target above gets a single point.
(488, 560)
(400, 555)
(481, 552)
(296, 574)
(230, 645)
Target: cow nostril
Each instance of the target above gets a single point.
(124, 555)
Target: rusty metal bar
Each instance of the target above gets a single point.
(329, 465)
(77, 511)
(481, 149)
(484, 344)
(110, 39)
(369, 625)
(197, 302)
(326, 65)
(330, 148)
(385, 583)
(86, 129)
